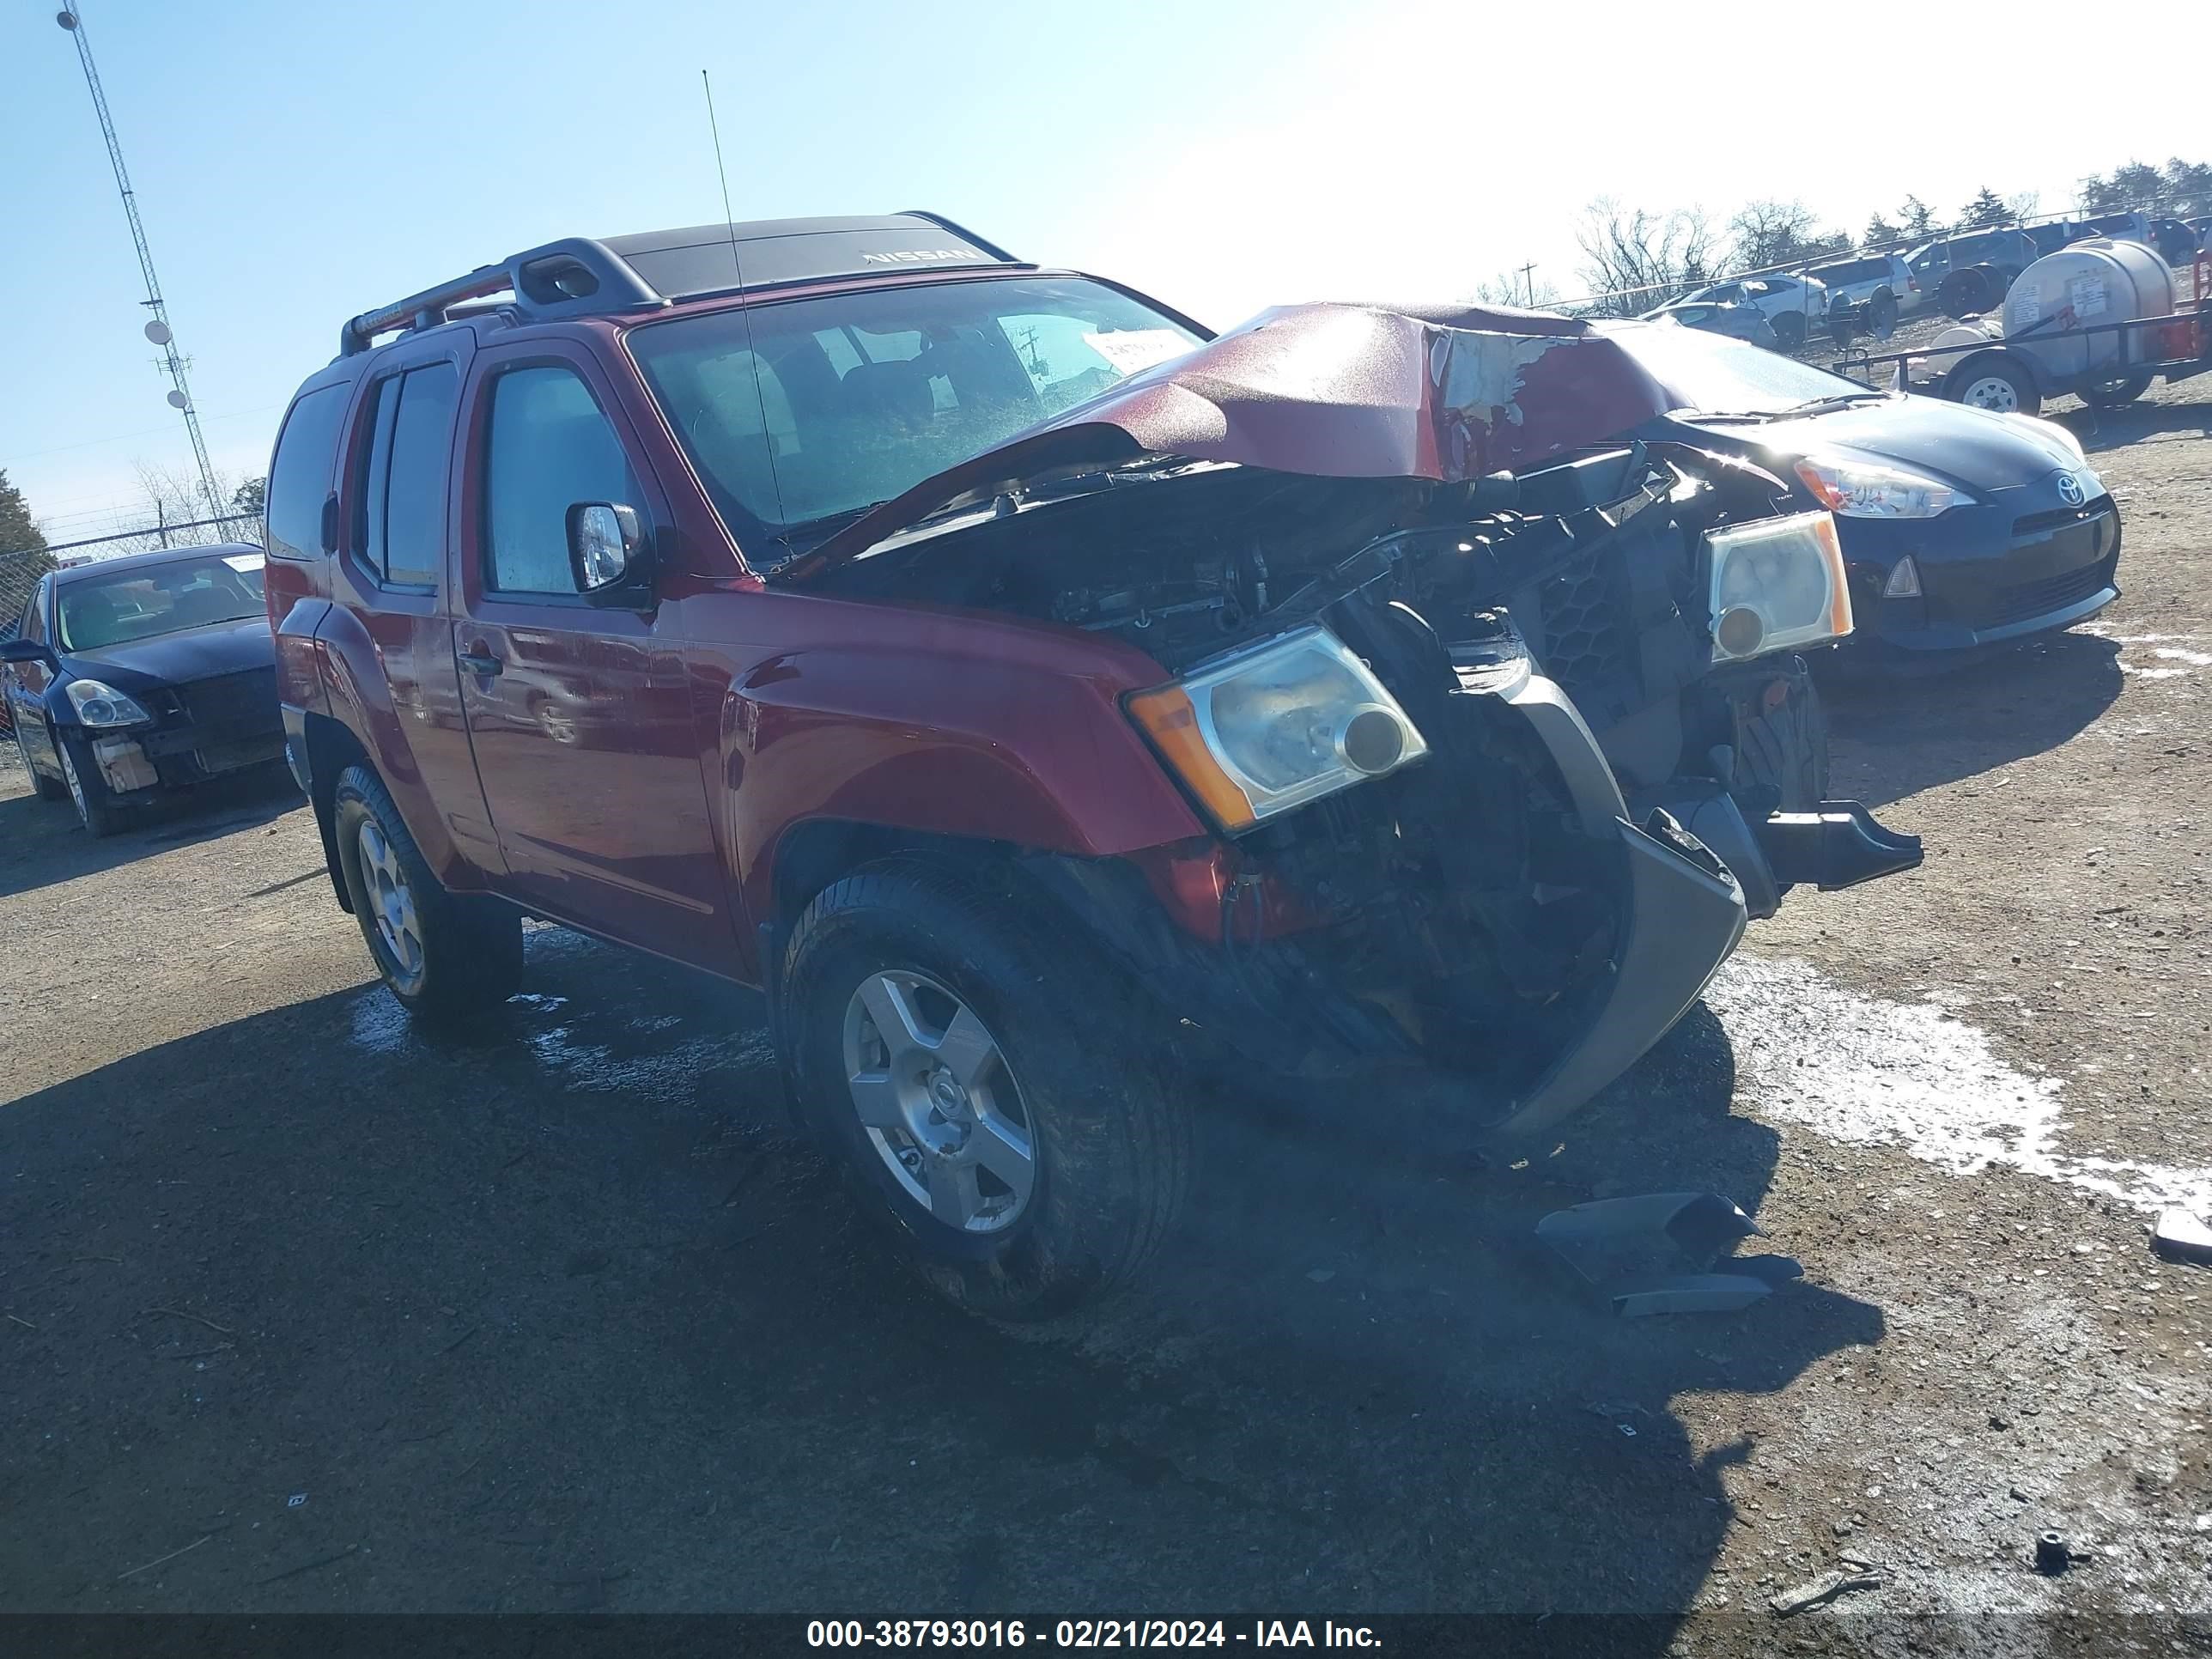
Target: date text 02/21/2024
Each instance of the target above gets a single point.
(1084, 1633)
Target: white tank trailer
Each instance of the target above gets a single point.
(2100, 282)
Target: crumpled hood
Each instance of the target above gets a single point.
(1444, 393)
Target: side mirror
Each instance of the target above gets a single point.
(606, 545)
(29, 651)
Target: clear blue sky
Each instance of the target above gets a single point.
(296, 162)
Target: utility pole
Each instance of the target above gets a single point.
(158, 330)
(1528, 280)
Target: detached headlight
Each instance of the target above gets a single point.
(100, 705)
(1876, 490)
(1274, 728)
(1777, 584)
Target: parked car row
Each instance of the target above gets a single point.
(1034, 693)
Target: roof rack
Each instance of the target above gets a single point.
(579, 276)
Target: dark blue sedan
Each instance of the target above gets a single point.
(1964, 530)
(137, 675)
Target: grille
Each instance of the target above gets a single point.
(1585, 630)
(2060, 517)
(234, 705)
(2024, 599)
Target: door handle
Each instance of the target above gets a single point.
(478, 662)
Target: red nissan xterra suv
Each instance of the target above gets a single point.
(1023, 688)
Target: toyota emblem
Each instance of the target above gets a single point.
(2070, 490)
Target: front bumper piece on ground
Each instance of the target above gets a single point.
(1839, 845)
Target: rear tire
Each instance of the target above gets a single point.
(46, 788)
(443, 955)
(1964, 293)
(87, 788)
(889, 964)
(1881, 314)
(1790, 329)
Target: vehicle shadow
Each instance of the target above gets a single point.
(41, 840)
(556, 1314)
(2116, 429)
(1891, 738)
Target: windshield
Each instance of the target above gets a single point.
(163, 598)
(1713, 374)
(801, 414)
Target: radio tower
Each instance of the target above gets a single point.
(158, 330)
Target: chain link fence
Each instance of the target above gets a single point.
(20, 572)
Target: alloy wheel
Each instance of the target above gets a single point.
(939, 1103)
(391, 904)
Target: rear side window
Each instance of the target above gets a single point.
(549, 447)
(300, 476)
(399, 523)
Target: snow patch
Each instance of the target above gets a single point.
(1911, 1075)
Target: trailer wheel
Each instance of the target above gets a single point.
(1992, 383)
(2116, 394)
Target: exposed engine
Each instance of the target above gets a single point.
(1459, 898)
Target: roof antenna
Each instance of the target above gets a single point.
(738, 263)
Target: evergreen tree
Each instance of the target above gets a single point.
(1987, 209)
(18, 534)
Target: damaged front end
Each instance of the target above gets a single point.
(1382, 668)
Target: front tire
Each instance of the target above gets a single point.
(443, 955)
(984, 1091)
(88, 789)
(2118, 394)
(46, 787)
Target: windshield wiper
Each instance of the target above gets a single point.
(1841, 400)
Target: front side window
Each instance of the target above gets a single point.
(801, 414)
(549, 447)
(163, 598)
(33, 625)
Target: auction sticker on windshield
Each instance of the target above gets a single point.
(1133, 348)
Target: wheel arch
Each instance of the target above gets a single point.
(332, 747)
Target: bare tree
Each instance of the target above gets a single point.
(1635, 259)
(2024, 204)
(1772, 233)
(169, 496)
(1517, 287)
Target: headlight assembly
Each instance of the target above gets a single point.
(100, 706)
(1275, 727)
(1877, 490)
(1777, 584)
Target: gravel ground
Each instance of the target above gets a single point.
(305, 1311)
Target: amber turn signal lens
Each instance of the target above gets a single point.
(1168, 719)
